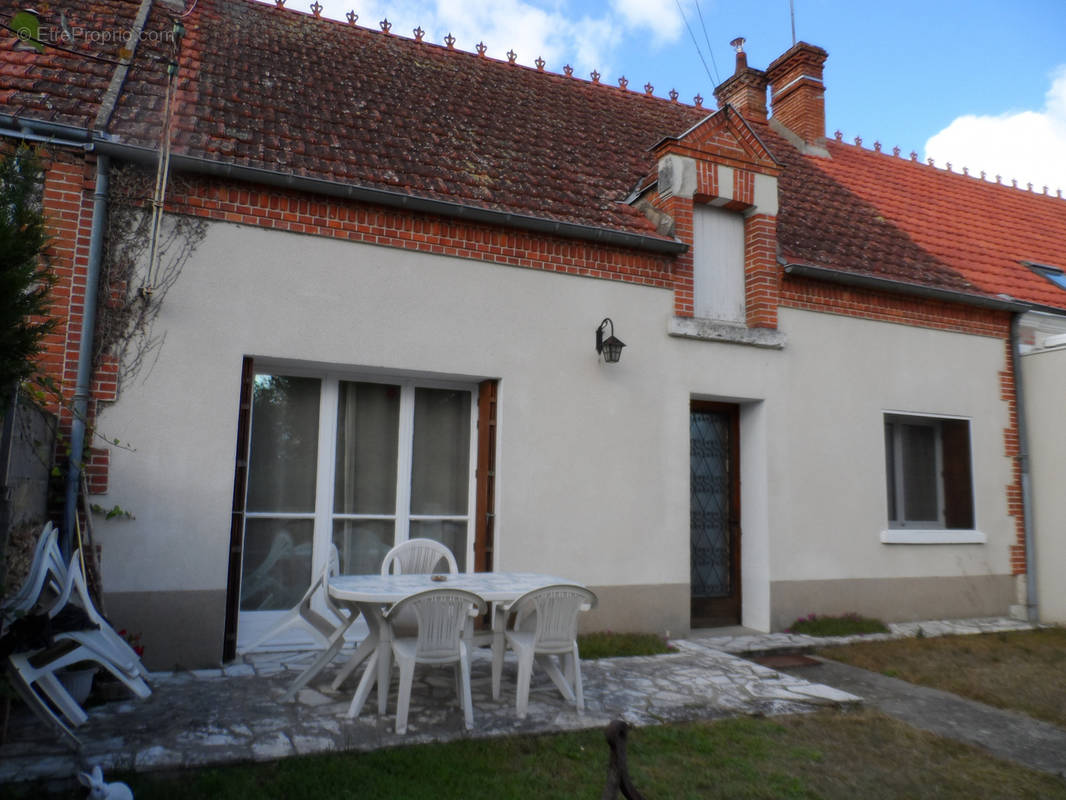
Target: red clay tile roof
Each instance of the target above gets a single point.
(981, 230)
(276, 89)
(63, 86)
(280, 90)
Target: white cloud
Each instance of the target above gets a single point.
(1028, 146)
(661, 17)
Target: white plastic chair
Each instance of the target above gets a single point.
(47, 575)
(442, 616)
(545, 625)
(34, 673)
(418, 557)
(302, 613)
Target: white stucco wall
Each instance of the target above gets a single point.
(843, 375)
(592, 460)
(1044, 389)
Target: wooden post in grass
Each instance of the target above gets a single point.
(618, 769)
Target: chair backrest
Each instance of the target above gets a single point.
(552, 611)
(47, 573)
(442, 615)
(418, 557)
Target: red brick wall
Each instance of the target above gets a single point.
(1013, 451)
(296, 212)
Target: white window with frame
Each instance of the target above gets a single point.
(929, 480)
(360, 463)
(718, 264)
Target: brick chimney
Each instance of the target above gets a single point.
(746, 89)
(797, 94)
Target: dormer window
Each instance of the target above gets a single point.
(718, 264)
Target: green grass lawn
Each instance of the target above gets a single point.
(1020, 670)
(831, 754)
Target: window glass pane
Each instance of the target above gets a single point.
(440, 469)
(283, 455)
(890, 469)
(368, 420)
(919, 472)
(362, 544)
(450, 533)
(277, 563)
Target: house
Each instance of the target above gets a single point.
(398, 259)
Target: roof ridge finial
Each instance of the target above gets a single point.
(648, 88)
(481, 47)
(316, 9)
(450, 41)
(352, 17)
(512, 56)
(540, 62)
(419, 34)
(386, 26)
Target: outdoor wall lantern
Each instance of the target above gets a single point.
(611, 347)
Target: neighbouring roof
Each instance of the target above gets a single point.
(277, 89)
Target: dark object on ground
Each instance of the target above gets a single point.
(618, 769)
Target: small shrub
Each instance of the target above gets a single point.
(844, 625)
(606, 644)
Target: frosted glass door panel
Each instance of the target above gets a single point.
(277, 563)
(368, 424)
(284, 444)
(440, 466)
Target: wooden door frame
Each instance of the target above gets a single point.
(729, 611)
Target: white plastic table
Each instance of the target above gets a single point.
(371, 595)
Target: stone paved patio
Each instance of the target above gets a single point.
(234, 714)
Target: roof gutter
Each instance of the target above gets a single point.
(902, 287)
(384, 197)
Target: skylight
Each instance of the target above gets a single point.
(1053, 274)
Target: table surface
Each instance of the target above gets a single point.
(491, 586)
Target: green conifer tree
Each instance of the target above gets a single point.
(25, 282)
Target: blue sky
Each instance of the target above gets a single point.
(980, 83)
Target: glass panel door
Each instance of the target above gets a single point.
(282, 469)
(364, 480)
(440, 469)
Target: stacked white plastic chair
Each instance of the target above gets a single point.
(50, 587)
(545, 628)
(442, 617)
(302, 613)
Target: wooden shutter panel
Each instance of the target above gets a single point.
(485, 491)
(958, 477)
(236, 530)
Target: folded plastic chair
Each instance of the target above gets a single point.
(45, 581)
(545, 626)
(103, 640)
(302, 613)
(442, 616)
(34, 672)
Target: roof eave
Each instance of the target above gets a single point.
(859, 280)
(72, 135)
